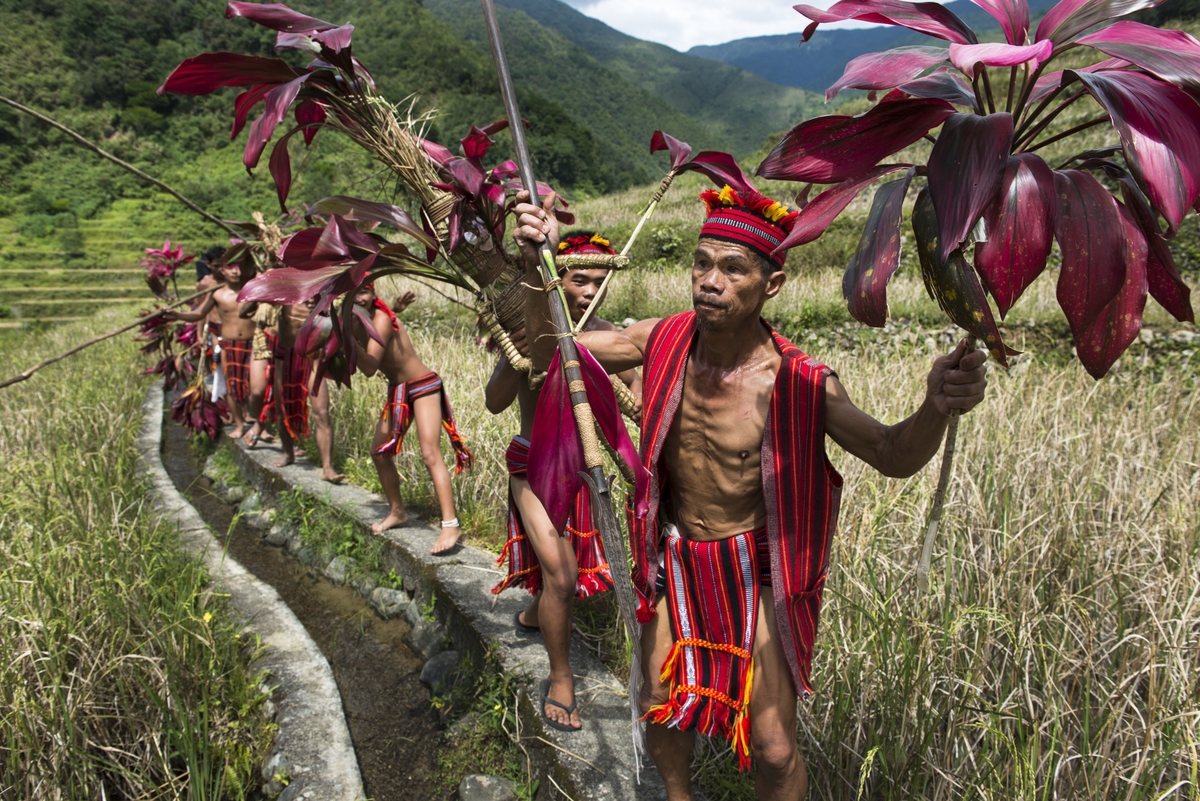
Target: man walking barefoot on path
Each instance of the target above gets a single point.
(293, 388)
(742, 501)
(415, 394)
(556, 569)
(235, 340)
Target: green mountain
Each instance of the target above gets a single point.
(739, 106)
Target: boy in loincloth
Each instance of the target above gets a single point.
(415, 394)
(555, 568)
(235, 339)
(293, 389)
(731, 556)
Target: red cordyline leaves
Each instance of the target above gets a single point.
(988, 193)
(162, 263)
(194, 409)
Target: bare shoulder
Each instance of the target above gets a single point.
(639, 332)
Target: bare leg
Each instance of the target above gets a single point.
(235, 407)
(559, 574)
(258, 391)
(670, 748)
(323, 432)
(529, 615)
(782, 775)
(285, 438)
(427, 414)
(385, 466)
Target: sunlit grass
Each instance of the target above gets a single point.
(122, 674)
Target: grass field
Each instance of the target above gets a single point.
(123, 675)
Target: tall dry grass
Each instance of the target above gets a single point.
(121, 674)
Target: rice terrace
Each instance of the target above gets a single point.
(800, 402)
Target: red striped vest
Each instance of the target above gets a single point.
(801, 487)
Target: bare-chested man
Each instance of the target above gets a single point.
(294, 389)
(555, 568)
(742, 501)
(235, 338)
(415, 394)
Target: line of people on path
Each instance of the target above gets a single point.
(731, 539)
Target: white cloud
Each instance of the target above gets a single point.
(682, 24)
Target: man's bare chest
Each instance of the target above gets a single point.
(720, 421)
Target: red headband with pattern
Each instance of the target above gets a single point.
(748, 218)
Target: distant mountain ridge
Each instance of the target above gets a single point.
(737, 106)
(818, 63)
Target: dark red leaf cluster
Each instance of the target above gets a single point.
(987, 191)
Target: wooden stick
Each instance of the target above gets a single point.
(105, 154)
(46, 362)
(939, 495)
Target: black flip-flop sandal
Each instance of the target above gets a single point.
(521, 627)
(546, 699)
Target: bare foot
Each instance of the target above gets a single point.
(446, 540)
(562, 691)
(300, 452)
(266, 436)
(391, 521)
(238, 432)
(284, 461)
(253, 436)
(332, 477)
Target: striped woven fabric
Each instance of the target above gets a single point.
(399, 415)
(524, 570)
(714, 588)
(801, 487)
(293, 371)
(236, 356)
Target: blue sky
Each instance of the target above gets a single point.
(684, 23)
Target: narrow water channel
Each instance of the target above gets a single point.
(387, 708)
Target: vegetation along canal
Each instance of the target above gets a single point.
(387, 708)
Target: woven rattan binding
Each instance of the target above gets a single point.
(591, 261)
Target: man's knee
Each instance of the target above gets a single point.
(559, 581)
(774, 749)
(431, 455)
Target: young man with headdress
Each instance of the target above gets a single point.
(261, 407)
(235, 340)
(732, 552)
(415, 395)
(555, 568)
(208, 329)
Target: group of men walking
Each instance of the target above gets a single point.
(730, 539)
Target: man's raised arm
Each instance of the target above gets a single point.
(956, 383)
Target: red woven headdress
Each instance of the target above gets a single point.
(748, 218)
(577, 242)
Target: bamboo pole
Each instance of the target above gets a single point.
(47, 362)
(585, 422)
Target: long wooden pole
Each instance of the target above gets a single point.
(606, 519)
(25, 376)
(120, 163)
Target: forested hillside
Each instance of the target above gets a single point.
(95, 66)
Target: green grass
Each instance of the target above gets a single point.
(125, 675)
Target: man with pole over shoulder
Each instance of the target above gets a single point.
(731, 554)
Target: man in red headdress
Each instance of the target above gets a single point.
(731, 554)
(555, 567)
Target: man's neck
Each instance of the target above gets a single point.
(733, 345)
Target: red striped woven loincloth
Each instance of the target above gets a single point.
(237, 367)
(712, 594)
(398, 412)
(293, 384)
(524, 570)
